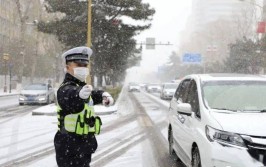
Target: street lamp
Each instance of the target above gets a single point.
(5, 58)
(10, 76)
(88, 80)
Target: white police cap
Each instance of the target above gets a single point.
(79, 54)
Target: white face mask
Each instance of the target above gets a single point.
(81, 73)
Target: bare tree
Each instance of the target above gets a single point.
(246, 22)
(23, 16)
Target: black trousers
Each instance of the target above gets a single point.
(71, 152)
(73, 160)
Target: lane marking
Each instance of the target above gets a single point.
(145, 121)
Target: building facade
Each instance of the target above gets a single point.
(207, 11)
(214, 24)
(9, 24)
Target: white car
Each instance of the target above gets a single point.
(219, 121)
(40, 93)
(168, 90)
(133, 87)
(153, 88)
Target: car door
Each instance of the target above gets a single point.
(177, 119)
(190, 124)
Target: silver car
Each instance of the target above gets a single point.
(133, 87)
(40, 93)
(168, 90)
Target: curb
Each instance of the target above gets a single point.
(105, 112)
(34, 113)
(4, 95)
(38, 113)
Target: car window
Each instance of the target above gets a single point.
(36, 87)
(180, 94)
(193, 98)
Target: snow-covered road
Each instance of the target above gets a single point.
(134, 136)
(7, 101)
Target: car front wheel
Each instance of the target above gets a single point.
(171, 142)
(172, 152)
(196, 158)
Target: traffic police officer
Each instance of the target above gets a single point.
(77, 123)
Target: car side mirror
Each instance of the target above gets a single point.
(184, 108)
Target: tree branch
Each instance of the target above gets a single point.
(118, 12)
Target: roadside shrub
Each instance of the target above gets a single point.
(115, 91)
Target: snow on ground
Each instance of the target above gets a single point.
(122, 145)
(51, 110)
(7, 101)
(157, 114)
(50, 160)
(13, 92)
(25, 135)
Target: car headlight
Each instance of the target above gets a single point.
(42, 99)
(223, 137)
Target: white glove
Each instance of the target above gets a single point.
(107, 99)
(85, 92)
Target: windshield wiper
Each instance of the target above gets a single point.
(226, 109)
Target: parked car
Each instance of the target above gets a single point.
(133, 87)
(168, 90)
(219, 120)
(153, 88)
(40, 93)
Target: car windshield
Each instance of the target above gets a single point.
(170, 86)
(241, 96)
(36, 87)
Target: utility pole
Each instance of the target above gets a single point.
(6, 58)
(10, 76)
(88, 80)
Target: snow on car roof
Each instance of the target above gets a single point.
(230, 76)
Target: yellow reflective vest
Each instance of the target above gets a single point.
(81, 123)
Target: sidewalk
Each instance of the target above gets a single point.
(98, 109)
(13, 92)
(50, 110)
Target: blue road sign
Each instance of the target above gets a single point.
(192, 58)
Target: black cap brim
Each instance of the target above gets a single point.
(85, 62)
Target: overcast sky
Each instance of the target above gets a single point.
(168, 22)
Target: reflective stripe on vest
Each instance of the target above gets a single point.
(98, 124)
(79, 123)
